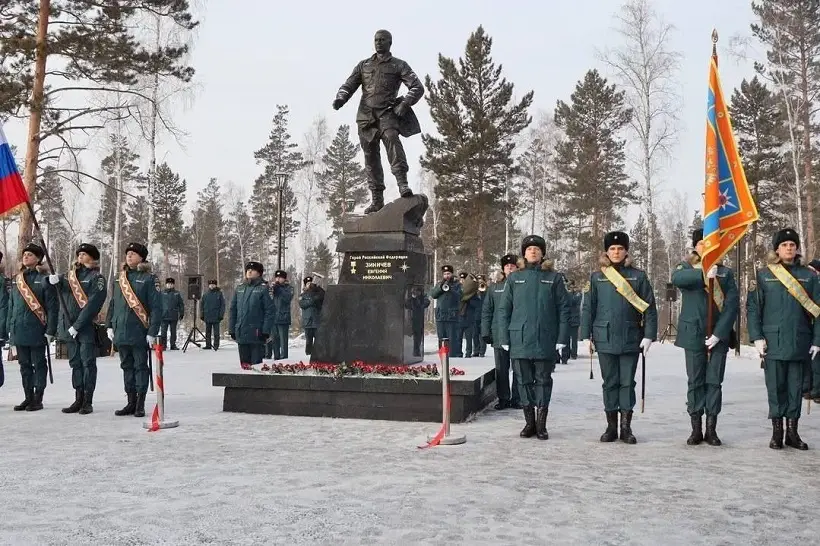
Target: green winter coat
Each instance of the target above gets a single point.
(448, 303)
(252, 312)
(24, 328)
(692, 318)
(615, 326)
(5, 288)
(173, 306)
(534, 312)
(282, 297)
(491, 312)
(94, 287)
(128, 329)
(776, 316)
(310, 301)
(212, 306)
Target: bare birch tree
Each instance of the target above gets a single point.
(646, 69)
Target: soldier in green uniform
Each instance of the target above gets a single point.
(491, 335)
(212, 308)
(282, 294)
(310, 302)
(533, 325)
(173, 311)
(571, 350)
(479, 347)
(621, 327)
(782, 310)
(252, 316)
(447, 294)
(32, 323)
(705, 355)
(84, 293)
(134, 317)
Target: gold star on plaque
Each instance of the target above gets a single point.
(353, 267)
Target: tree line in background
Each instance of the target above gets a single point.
(491, 171)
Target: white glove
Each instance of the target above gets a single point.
(72, 332)
(645, 344)
(813, 351)
(760, 345)
(54, 279)
(49, 338)
(590, 346)
(712, 341)
(712, 273)
(150, 340)
(110, 333)
(559, 347)
(506, 348)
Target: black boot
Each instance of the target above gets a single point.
(36, 402)
(611, 432)
(376, 201)
(777, 433)
(626, 428)
(77, 404)
(502, 404)
(25, 403)
(697, 430)
(129, 407)
(88, 400)
(792, 437)
(711, 434)
(541, 424)
(529, 416)
(139, 410)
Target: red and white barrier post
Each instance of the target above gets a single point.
(443, 436)
(158, 415)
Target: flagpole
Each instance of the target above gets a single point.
(710, 294)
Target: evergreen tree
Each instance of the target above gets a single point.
(320, 260)
(758, 121)
(343, 179)
(168, 200)
(51, 215)
(475, 113)
(279, 155)
(240, 236)
(590, 160)
(206, 233)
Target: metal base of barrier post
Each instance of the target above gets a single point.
(162, 424)
(450, 440)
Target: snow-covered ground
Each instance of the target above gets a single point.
(224, 478)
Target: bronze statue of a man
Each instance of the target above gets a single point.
(383, 115)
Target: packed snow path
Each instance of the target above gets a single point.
(223, 478)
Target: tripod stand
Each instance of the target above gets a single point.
(671, 297)
(195, 335)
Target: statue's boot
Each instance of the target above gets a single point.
(376, 201)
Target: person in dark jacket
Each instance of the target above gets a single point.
(251, 315)
(134, 317)
(508, 396)
(533, 325)
(620, 320)
(84, 292)
(5, 287)
(479, 347)
(469, 308)
(212, 309)
(705, 355)
(32, 323)
(173, 311)
(811, 373)
(571, 350)
(782, 310)
(310, 302)
(447, 294)
(416, 304)
(282, 294)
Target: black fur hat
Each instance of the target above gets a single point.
(508, 259)
(89, 249)
(616, 238)
(139, 248)
(697, 236)
(37, 250)
(784, 235)
(255, 266)
(534, 240)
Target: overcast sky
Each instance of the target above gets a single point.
(298, 53)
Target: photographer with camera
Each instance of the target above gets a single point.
(447, 294)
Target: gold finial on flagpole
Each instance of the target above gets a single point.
(714, 43)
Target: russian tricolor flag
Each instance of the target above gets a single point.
(12, 190)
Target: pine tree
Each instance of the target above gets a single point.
(240, 236)
(790, 29)
(168, 201)
(343, 179)
(279, 155)
(51, 215)
(590, 159)
(475, 113)
(320, 260)
(758, 121)
(206, 233)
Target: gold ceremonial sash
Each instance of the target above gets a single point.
(795, 289)
(717, 295)
(132, 299)
(624, 288)
(76, 288)
(31, 300)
